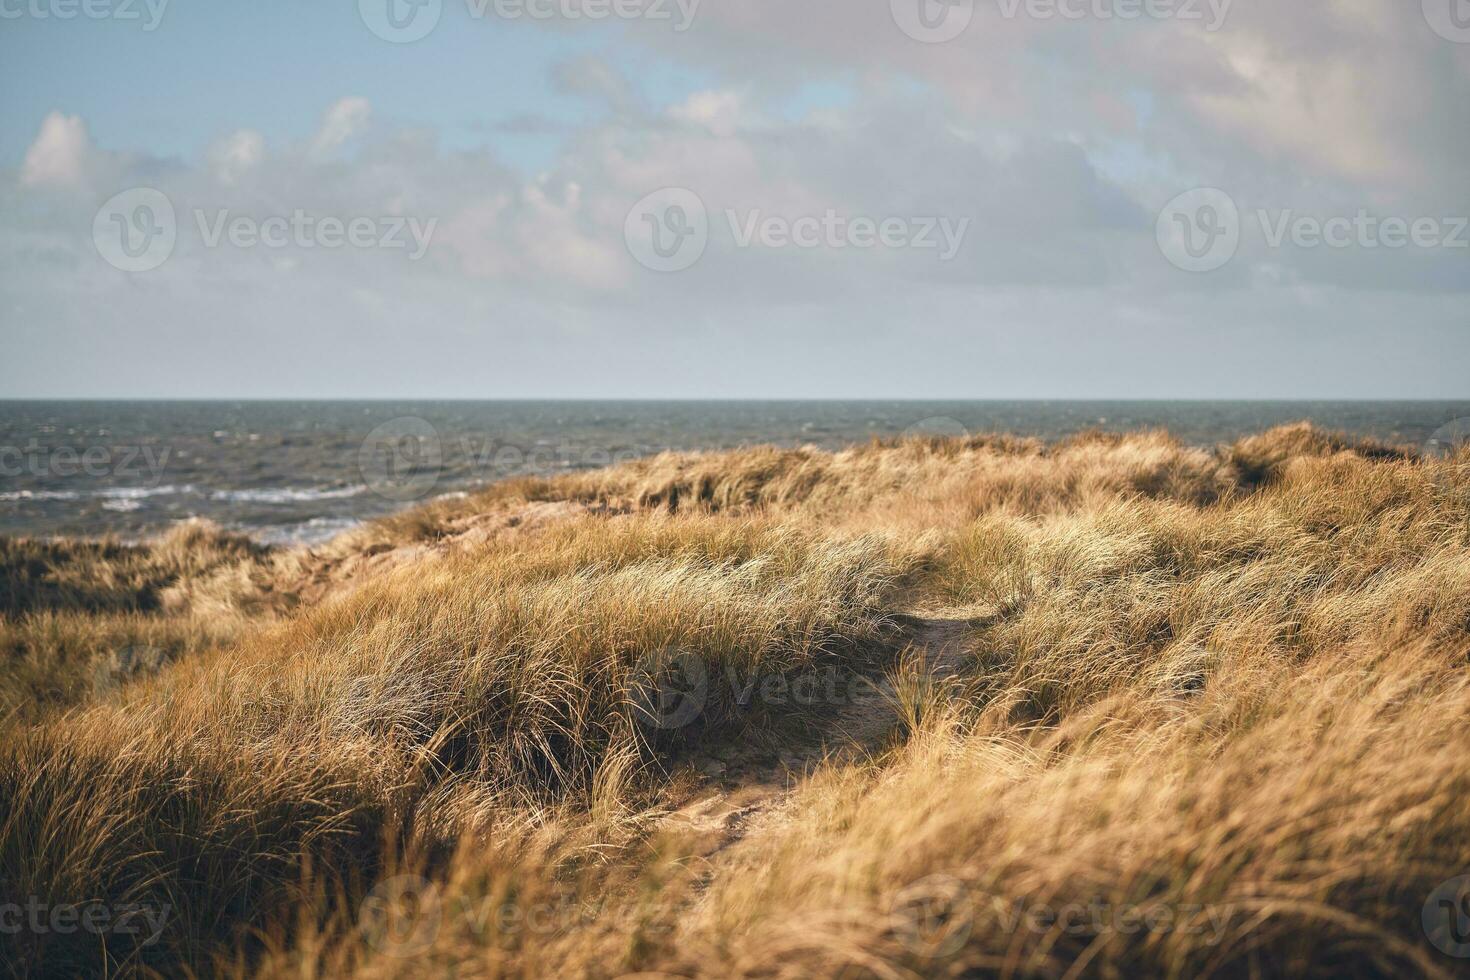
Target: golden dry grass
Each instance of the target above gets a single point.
(1212, 718)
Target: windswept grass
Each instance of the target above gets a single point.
(423, 705)
(1247, 721)
(1213, 719)
(1284, 822)
(79, 617)
(108, 576)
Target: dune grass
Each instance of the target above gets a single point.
(1212, 719)
(423, 705)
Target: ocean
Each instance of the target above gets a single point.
(303, 471)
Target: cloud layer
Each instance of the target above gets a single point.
(1056, 139)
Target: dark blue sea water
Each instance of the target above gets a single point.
(301, 471)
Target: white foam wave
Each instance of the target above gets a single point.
(285, 495)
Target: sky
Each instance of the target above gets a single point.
(735, 198)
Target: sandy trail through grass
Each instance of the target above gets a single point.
(745, 787)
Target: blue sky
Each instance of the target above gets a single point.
(272, 65)
(524, 150)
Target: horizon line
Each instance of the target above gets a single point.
(733, 399)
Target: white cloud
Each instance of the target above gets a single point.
(1361, 96)
(1360, 91)
(60, 154)
(718, 111)
(236, 155)
(343, 120)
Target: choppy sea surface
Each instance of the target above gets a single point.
(303, 471)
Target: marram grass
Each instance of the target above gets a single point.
(1197, 713)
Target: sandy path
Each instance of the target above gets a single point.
(745, 784)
